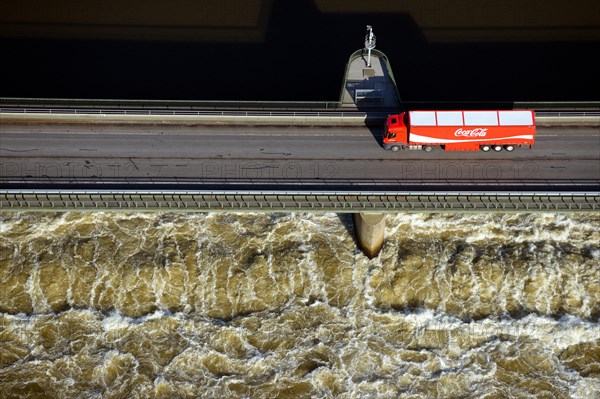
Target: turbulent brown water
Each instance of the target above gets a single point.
(226, 305)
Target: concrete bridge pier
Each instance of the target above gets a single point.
(369, 232)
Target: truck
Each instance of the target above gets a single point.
(465, 130)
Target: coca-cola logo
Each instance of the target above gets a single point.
(477, 132)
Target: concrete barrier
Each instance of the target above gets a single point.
(268, 120)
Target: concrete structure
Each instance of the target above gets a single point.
(369, 85)
(369, 228)
(369, 88)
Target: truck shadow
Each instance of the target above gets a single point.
(375, 123)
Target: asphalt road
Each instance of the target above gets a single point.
(264, 157)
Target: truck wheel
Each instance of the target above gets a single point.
(428, 148)
(485, 148)
(497, 148)
(395, 148)
(509, 148)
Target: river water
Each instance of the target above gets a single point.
(256, 305)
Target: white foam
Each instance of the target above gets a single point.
(115, 321)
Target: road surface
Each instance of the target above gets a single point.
(259, 156)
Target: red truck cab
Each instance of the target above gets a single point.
(395, 131)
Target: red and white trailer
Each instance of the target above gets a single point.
(460, 130)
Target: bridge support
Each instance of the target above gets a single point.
(369, 232)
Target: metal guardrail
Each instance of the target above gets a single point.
(274, 201)
(164, 112)
(569, 114)
(294, 184)
(246, 113)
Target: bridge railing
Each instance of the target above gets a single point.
(299, 201)
(245, 113)
(165, 112)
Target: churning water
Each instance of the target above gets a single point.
(242, 305)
